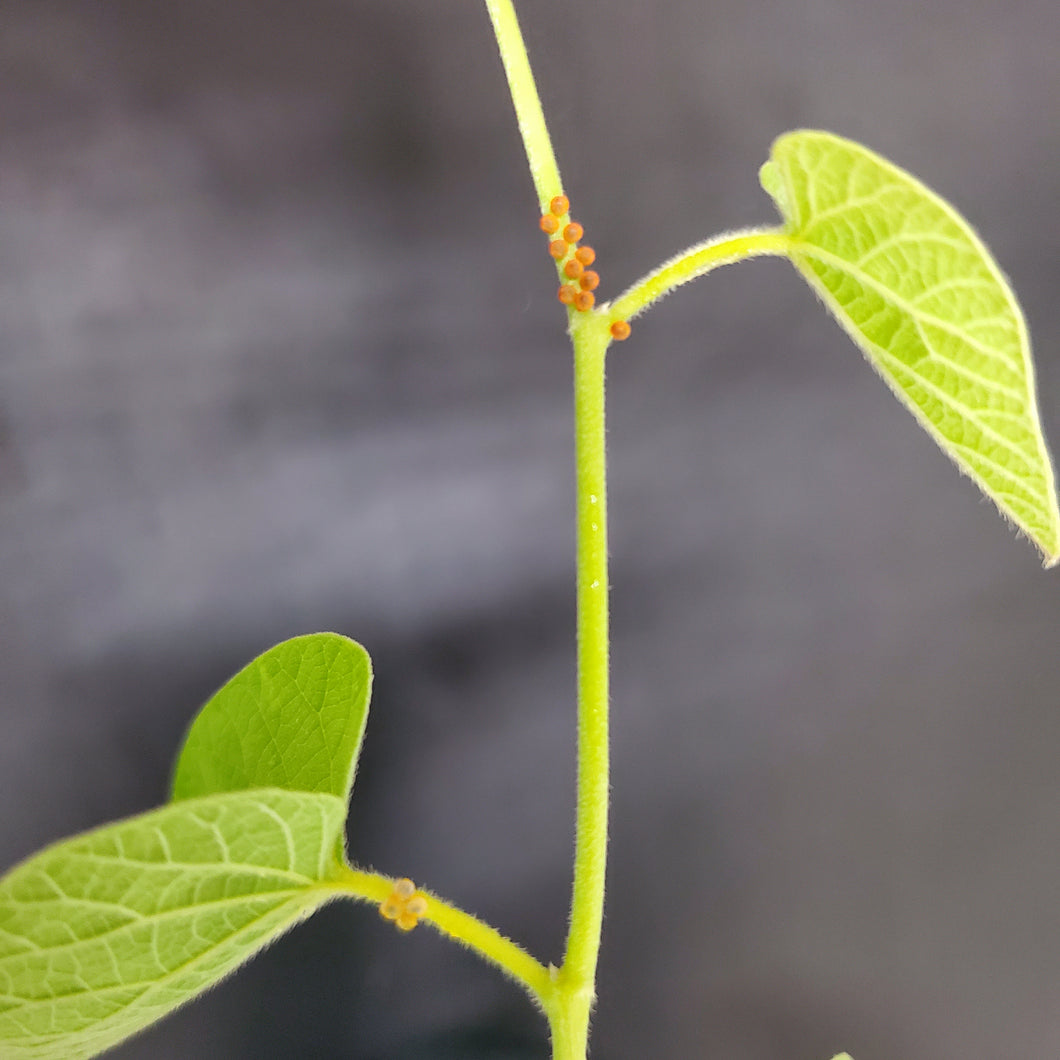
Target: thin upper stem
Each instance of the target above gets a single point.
(528, 112)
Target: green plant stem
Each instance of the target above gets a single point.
(568, 995)
(446, 918)
(569, 1002)
(697, 261)
(531, 118)
(577, 977)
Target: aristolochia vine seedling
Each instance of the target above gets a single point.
(103, 934)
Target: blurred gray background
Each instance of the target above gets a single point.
(279, 351)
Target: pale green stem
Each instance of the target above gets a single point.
(577, 977)
(528, 112)
(487, 941)
(569, 1003)
(697, 261)
(568, 994)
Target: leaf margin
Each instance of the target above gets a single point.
(197, 769)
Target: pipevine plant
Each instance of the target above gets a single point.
(103, 934)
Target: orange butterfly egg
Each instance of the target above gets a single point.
(573, 232)
(586, 255)
(567, 293)
(620, 330)
(590, 280)
(584, 301)
(549, 224)
(559, 205)
(573, 269)
(558, 249)
(390, 908)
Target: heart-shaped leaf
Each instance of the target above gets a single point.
(916, 289)
(103, 934)
(293, 718)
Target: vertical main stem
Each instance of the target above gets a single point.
(577, 977)
(568, 1003)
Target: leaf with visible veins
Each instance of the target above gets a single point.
(914, 286)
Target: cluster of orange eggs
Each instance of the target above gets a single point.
(404, 905)
(575, 261)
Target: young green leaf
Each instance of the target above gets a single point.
(103, 934)
(916, 289)
(293, 718)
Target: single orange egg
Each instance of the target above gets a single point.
(558, 249)
(620, 330)
(573, 232)
(559, 205)
(567, 293)
(586, 255)
(590, 280)
(549, 224)
(584, 301)
(573, 269)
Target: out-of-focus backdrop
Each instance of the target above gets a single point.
(280, 351)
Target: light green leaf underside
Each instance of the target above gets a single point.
(293, 718)
(913, 285)
(103, 934)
